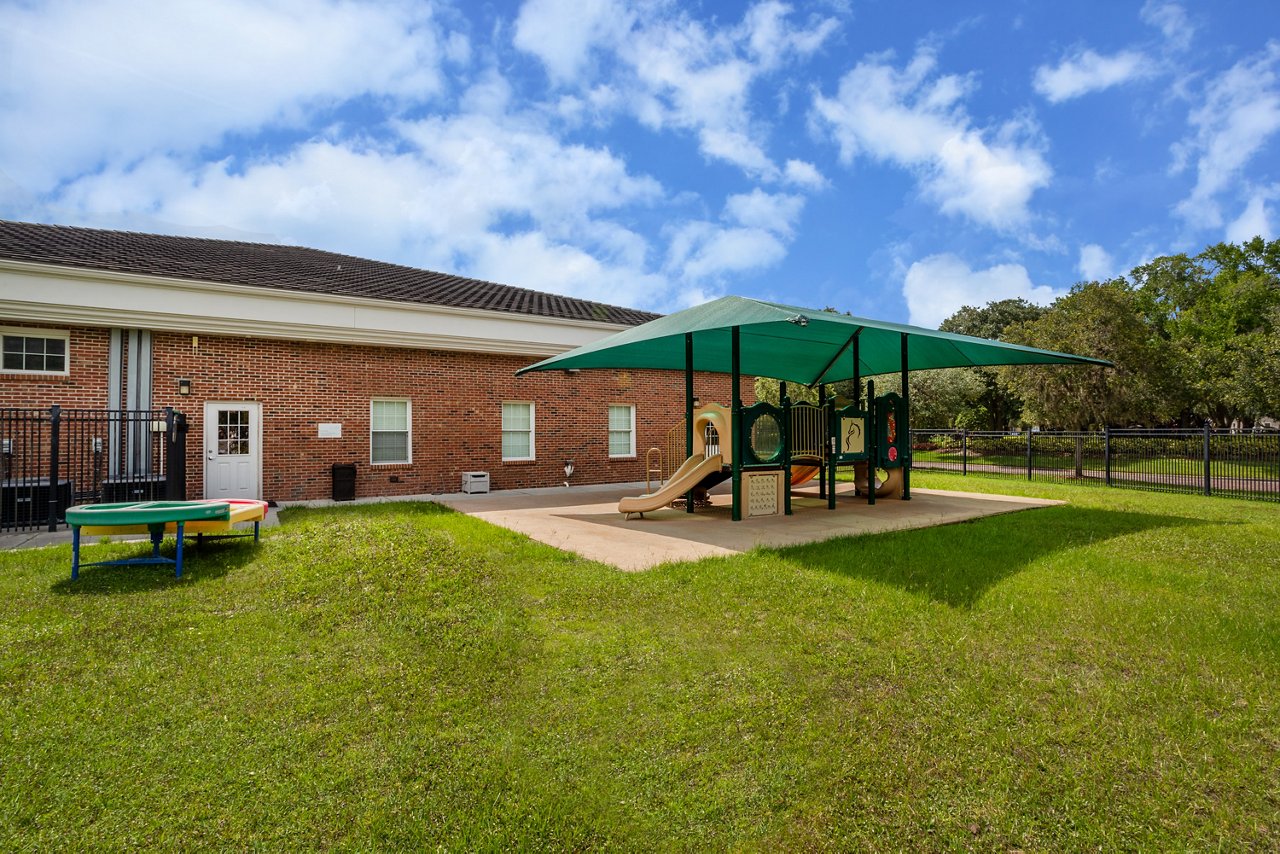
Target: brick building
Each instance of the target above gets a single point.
(287, 360)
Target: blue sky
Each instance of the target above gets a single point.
(894, 160)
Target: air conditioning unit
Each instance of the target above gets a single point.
(475, 481)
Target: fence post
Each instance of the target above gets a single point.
(55, 434)
(1028, 453)
(1106, 452)
(175, 464)
(964, 452)
(1208, 468)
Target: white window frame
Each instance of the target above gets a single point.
(631, 431)
(533, 431)
(22, 332)
(408, 417)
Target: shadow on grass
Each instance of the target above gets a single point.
(212, 559)
(957, 564)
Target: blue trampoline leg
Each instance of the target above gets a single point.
(255, 531)
(177, 568)
(156, 537)
(75, 552)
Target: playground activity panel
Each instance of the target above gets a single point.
(215, 519)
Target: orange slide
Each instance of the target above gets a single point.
(804, 474)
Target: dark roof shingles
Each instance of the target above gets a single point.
(292, 268)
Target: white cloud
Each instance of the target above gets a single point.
(1096, 264)
(1088, 71)
(1254, 220)
(804, 174)
(562, 33)
(670, 71)
(940, 285)
(1171, 19)
(774, 212)
(1239, 115)
(117, 81)
(915, 120)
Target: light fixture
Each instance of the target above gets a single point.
(572, 372)
(184, 387)
(568, 471)
(697, 402)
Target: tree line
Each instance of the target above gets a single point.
(1192, 339)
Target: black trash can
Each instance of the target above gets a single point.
(344, 481)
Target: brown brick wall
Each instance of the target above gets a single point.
(84, 388)
(456, 409)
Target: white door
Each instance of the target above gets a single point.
(233, 450)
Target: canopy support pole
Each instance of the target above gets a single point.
(905, 426)
(688, 411)
(785, 403)
(830, 445)
(857, 373)
(736, 429)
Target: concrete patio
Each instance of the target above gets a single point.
(585, 520)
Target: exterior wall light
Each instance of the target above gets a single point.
(184, 387)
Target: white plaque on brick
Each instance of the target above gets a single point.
(329, 431)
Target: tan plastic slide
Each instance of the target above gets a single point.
(689, 475)
(890, 487)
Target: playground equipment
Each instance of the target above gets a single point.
(216, 519)
(780, 447)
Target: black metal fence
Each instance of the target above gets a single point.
(1204, 461)
(52, 459)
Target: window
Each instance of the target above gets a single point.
(517, 431)
(622, 431)
(389, 432)
(34, 351)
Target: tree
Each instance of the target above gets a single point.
(1104, 320)
(995, 407)
(1218, 312)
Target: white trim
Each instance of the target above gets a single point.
(66, 295)
(609, 430)
(408, 417)
(31, 332)
(533, 426)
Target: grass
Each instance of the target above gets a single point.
(1104, 674)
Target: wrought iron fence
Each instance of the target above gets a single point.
(52, 459)
(1206, 461)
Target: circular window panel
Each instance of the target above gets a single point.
(766, 437)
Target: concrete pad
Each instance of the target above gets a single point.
(585, 520)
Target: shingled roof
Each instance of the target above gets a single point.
(290, 268)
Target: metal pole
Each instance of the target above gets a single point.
(55, 429)
(688, 411)
(1028, 453)
(829, 461)
(785, 402)
(1208, 467)
(735, 429)
(964, 452)
(1106, 452)
(906, 423)
(872, 443)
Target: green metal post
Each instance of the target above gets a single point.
(735, 429)
(688, 411)
(873, 452)
(829, 462)
(786, 447)
(905, 426)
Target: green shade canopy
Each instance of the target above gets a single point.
(797, 345)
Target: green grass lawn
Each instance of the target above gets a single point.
(1099, 675)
